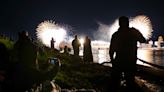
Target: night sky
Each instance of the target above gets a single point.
(81, 15)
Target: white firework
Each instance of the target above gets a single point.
(143, 24)
(48, 30)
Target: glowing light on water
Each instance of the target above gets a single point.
(81, 41)
(100, 50)
(48, 29)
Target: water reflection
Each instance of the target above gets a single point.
(151, 55)
(101, 55)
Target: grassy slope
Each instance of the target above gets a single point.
(75, 74)
(9, 44)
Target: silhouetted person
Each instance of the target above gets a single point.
(3, 56)
(26, 72)
(76, 45)
(87, 53)
(4, 66)
(26, 50)
(124, 46)
(26, 55)
(52, 43)
(66, 50)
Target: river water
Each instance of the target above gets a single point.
(151, 55)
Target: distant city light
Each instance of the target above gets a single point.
(100, 44)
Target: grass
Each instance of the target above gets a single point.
(76, 74)
(9, 44)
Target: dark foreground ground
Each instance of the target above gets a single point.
(75, 74)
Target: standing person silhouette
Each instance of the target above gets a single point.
(76, 45)
(52, 43)
(4, 67)
(123, 53)
(87, 53)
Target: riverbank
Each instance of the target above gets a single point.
(74, 73)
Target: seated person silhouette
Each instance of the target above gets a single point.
(25, 71)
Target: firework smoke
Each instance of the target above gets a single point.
(102, 32)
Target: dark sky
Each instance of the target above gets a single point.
(81, 15)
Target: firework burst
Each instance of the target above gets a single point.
(141, 22)
(48, 29)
